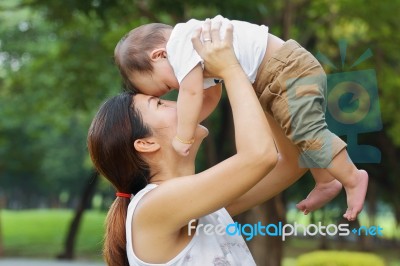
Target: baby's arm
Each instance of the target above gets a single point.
(190, 101)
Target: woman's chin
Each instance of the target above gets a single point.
(203, 131)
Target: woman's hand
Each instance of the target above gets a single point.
(218, 55)
(195, 195)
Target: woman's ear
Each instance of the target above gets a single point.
(146, 145)
(159, 53)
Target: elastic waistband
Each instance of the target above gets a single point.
(286, 50)
(282, 54)
(268, 71)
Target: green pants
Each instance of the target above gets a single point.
(291, 86)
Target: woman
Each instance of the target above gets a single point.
(130, 144)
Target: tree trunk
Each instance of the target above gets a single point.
(274, 247)
(210, 148)
(323, 241)
(86, 198)
(257, 245)
(372, 210)
(266, 250)
(287, 18)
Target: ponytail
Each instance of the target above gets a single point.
(114, 248)
(112, 133)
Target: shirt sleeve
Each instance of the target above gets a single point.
(181, 54)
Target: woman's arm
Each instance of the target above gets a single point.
(211, 98)
(182, 199)
(285, 173)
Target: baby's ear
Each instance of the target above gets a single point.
(159, 53)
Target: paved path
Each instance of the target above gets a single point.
(35, 262)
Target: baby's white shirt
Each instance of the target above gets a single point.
(249, 42)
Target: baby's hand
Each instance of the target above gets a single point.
(182, 148)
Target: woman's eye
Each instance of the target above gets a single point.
(159, 102)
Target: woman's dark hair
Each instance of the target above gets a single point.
(111, 138)
(131, 52)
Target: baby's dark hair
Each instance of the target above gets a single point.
(131, 52)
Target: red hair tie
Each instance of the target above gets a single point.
(123, 195)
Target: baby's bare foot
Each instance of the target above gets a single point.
(319, 196)
(356, 195)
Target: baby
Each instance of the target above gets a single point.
(289, 82)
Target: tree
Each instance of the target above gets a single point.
(85, 202)
(56, 68)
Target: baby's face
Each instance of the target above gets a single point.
(161, 81)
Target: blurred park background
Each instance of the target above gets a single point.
(56, 68)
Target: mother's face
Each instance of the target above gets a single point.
(159, 115)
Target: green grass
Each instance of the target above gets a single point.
(41, 233)
(296, 247)
(387, 250)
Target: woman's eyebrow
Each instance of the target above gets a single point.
(150, 99)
